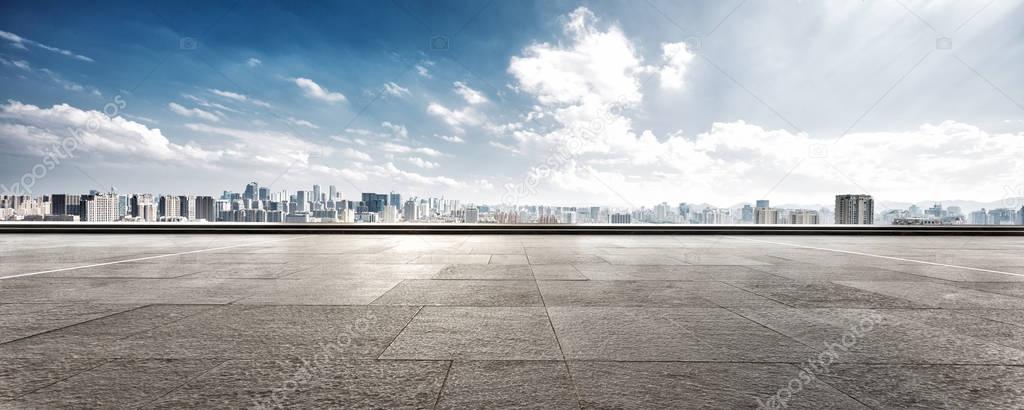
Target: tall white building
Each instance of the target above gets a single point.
(472, 215)
(170, 207)
(409, 211)
(803, 217)
(766, 215)
(389, 215)
(101, 208)
(855, 209)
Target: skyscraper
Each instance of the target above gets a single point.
(332, 193)
(394, 199)
(252, 191)
(205, 209)
(100, 208)
(170, 207)
(374, 202)
(854, 209)
(761, 203)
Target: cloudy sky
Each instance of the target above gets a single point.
(613, 103)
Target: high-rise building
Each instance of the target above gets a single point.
(761, 203)
(374, 202)
(143, 206)
(747, 214)
(620, 218)
(170, 207)
(264, 194)
(316, 193)
(855, 209)
(205, 209)
(395, 199)
(100, 208)
(979, 217)
(332, 193)
(472, 215)
(409, 211)
(804, 217)
(1002, 216)
(252, 191)
(765, 215)
(389, 215)
(302, 201)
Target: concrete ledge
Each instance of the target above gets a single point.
(493, 229)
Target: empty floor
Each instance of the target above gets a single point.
(541, 321)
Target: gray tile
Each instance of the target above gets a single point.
(23, 376)
(319, 380)
(931, 387)
(669, 334)
(697, 385)
(621, 293)
(562, 258)
(268, 331)
(664, 272)
(129, 270)
(23, 320)
(319, 292)
(369, 271)
(509, 260)
(556, 272)
(642, 260)
(825, 294)
(453, 259)
(248, 271)
(508, 384)
(940, 295)
(463, 293)
(500, 272)
(477, 333)
(117, 384)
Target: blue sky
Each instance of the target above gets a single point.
(618, 103)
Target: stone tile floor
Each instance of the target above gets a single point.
(499, 321)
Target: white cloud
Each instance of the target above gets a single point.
(22, 43)
(470, 95)
(313, 90)
(595, 67)
(452, 138)
(455, 117)
(301, 123)
(238, 97)
(397, 130)
(505, 147)
(677, 56)
(422, 163)
(193, 112)
(19, 64)
(405, 149)
(395, 90)
(253, 62)
(423, 71)
(26, 127)
(356, 155)
(392, 171)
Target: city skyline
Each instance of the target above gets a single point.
(598, 103)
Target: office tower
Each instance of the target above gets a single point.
(1002, 216)
(761, 203)
(332, 192)
(855, 209)
(747, 214)
(409, 211)
(389, 215)
(252, 191)
(316, 193)
(65, 204)
(205, 209)
(569, 217)
(662, 213)
(188, 206)
(715, 216)
(346, 216)
(620, 218)
(394, 199)
(143, 206)
(302, 201)
(170, 207)
(979, 217)
(766, 215)
(472, 215)
(100, 208)
(264, 194)
(803, 217)
(374, 202)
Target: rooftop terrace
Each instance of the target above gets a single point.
(539, 321)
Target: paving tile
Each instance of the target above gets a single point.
(370, 271)
(562, 258)
(621, 293)
(508, 384)
(319, 380)
(499, 272)
(663, 272)
(642, 260)
(129, 270)
(698, 385)
(248, 271)
(453, 259)
(509, 260)
(51, 290)
(958, 274)
(463, 293)
(116, 384)
(247, 332)
(23, 376)
(882, 336)
(23, 320)
(825, 294)
(931, 387)
(476, 333)
(669, 334)
(556, 272)
(811, 272)
(319, 292)
(940, 295)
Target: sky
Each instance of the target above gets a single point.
(518, 102)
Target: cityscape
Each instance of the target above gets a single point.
(260, 204)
